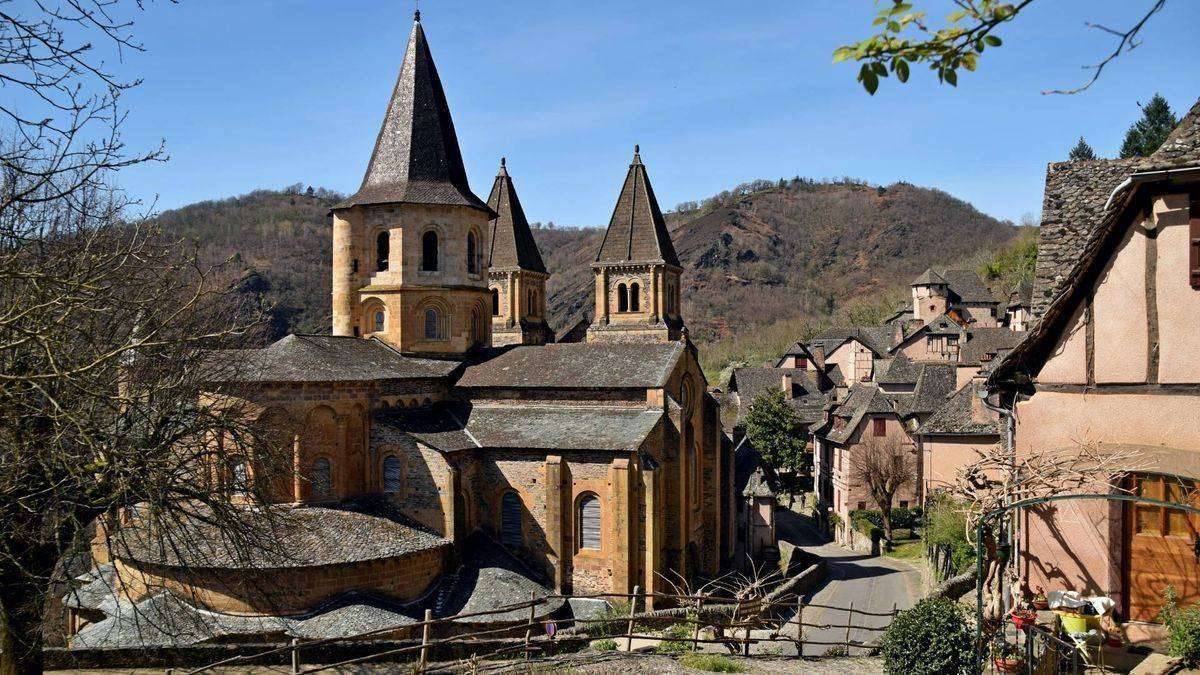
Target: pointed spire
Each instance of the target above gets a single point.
(416, 157)
(513, 245)
(637, 231)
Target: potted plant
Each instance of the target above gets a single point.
(1039, 599)
(1007, 657)
(1023, 618)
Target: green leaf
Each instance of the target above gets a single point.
(879, 69)
(870, 82)
(902, 70)
(952, 78)
(992, 40)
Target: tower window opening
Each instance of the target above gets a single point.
(635, 298)
(472, 258)
(429, 252)
(622, 298)
(383, 245)
(433, 325)
(495, 302)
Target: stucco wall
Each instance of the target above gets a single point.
(1068, 361)
(1119, 309)
(943, 456)
(1178, 302)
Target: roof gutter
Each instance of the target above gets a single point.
(1140, 177)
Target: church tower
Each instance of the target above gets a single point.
(516, 274)
(408, 247)
(637, 272)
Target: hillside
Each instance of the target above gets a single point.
(772, 254)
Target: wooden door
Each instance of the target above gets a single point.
(1161, 546)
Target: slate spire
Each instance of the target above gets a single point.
(416, 158)
(637, 231)
(513, 245)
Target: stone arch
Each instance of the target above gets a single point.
(391, 473)
(635, 297)
(473, 252)
(433, 319)
(495, 301)
(622, 297)
(374, 316)
(320, 440)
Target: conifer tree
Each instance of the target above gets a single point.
(1149, 132)
(1082, 151)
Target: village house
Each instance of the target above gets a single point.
(1111, 363)
(444, 454)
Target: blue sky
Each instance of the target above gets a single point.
(272, 92)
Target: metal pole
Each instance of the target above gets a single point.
(295, 656)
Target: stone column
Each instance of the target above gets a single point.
(657, 286)
(624, 519)
(602, 295)
(651, 534)
(297, 470)
(556, 525)
(344, 298)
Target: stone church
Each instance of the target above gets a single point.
(507, 463)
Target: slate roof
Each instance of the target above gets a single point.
(520, 426)
(513, 245)
(807, 399)
(637, 231)
(97, 589)
(1021, 296)
(293, 537)
(930, 277)
(416, 158)
(876, 338)
(324, 358)
(966, 284)
(934, 384)
(752, 477)
(1182, 147)
(983, 344)
(897, 370)
(577, 365)
(491, 578)
(864, 399)
(954, 417)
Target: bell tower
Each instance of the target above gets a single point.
(637, 272)
(516, 274)
(409, 246)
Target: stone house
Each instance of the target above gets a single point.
(1111, 363)
(442, 454)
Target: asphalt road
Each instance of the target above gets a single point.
(873, 584)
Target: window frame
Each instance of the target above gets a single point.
(584, 500)
(429, 264)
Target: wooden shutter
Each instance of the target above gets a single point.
(510, 520)
(1194, 245)
(391, 475)
(589, 522)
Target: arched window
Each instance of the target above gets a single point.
(378, 319)
(391, 475)
(635, 298)
(535, 306)
(622, 298)
(476, 332)
(322, 479)
(510, 520)
(589, 522)
(383, 247)
(472, 261)
(429, 252)
(433, 325)
(495, 302)
(239, 476)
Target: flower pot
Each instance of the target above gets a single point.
(1023, 618)
(1040, 604)
(1012, 665)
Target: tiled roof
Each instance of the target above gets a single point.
(1182, 147)
(864, 399)
(935, 383)
(416, 158)
(806, 399)
(983, 344)
(955, 416)
(513, 245)
(291, 537)
(897, 370)
(876, 338)
(324, 358)
(752, 477)
(491, 578)
(637, 231)
(577, 365)
(967, 285)
(97, 589)
(930, 277)
(519, 426)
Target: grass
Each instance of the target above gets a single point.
(605, 645)
(907, 550)
(712, 663)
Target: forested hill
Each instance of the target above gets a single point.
(759, 255)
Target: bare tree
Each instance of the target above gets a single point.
(997, 478)
(884, 465)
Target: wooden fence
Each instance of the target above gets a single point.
(730, 621)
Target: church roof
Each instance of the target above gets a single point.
(416, 158)
(512, 242)
(577, 365)
(323, 358)
(637, 231)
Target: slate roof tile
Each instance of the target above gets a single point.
(637, 231)
(577, 365)
(512, 242)
(324, 358)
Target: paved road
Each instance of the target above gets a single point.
(873, 584)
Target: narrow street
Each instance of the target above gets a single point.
(872, 584)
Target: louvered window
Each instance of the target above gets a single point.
(510, 520)
(589, 522)
(391, 475)
(321, 478)
(1194, 246)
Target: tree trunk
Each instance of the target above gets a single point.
(885, 514)
(22, 604)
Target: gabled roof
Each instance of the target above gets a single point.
(876, 338)
(864, 399)
(323, 358)
(983, 344)
(1182, 147)
(930, 277)
(807, 399)
(637, 231)
(963, 283)
(934, 384)
(898, 370)
(513, 245)
(416, 158)
(577, 365)
(955, 417)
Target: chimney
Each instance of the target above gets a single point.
(818, 354)
(786, 384)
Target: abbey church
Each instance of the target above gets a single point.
(506, 463)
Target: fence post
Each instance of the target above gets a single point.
(295, 656)
(425, 640)
(696, 628)
(632, 611)
(849, 622)
(799, 626)
(532, 616)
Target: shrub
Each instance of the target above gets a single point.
(674, 640)
(605, 645)
(902, 518)
(946, 526)
(931, 638)
(1183, 628)
(612, 621)
(713, 663)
